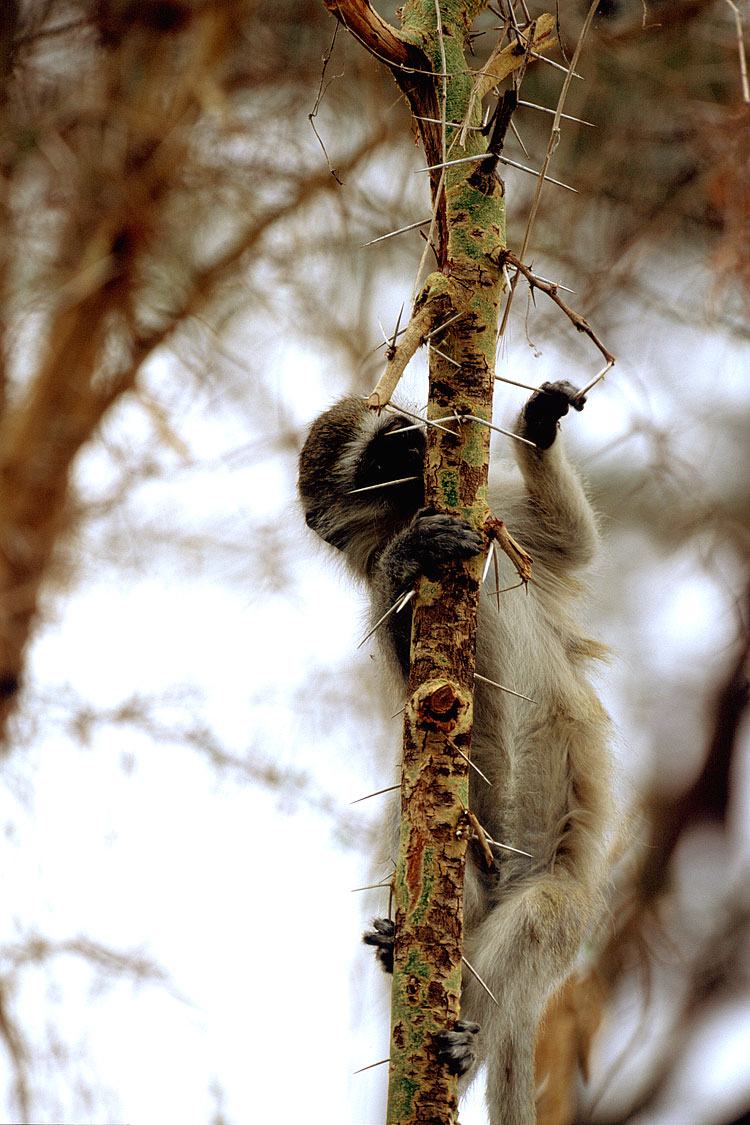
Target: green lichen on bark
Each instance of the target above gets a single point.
(468, 236)
(426, 988)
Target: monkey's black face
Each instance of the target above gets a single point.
(395, 453)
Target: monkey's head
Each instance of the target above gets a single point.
(351, 447)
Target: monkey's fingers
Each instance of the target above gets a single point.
(546, 407)
(381, 938)
(456, 1048)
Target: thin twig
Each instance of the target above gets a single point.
(552, 145)
(321, 94)
(522, 561)
(550, 289)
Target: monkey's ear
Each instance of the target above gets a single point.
(314, 520)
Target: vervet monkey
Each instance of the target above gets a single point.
(547, 762)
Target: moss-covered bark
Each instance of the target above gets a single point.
(468, 239)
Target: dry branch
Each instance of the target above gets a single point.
(376, 34)
(424, 319)
(551, 290)
(43, 431)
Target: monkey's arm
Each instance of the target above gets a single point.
(558, 522)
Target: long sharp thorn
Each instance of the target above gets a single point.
(515, 383)
(423, 421)
(444, 325)
(381, 1062)
(488, 560)
(383, 484)
(448, 163)
(550, 62)
(497, 429)
(372, 887)
(452, 124)
(405, 599)
(533, 172)
(497, 580)
(397, 606)
(507, 847)
(517, 135)
(443, 355)
(421, 426)
(398, 325)
(556, 284)
(476, 975)
(388, 789)
(564, 116)
(741, 49)
(473, 765)
(387, 343)
(393, 233)
(510, 691)
(405, 429)
(597, 379)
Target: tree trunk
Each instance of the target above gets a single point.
(428, 62)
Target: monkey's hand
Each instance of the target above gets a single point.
(431, 540)
(544, 410)
(456, 1048)
(381, 937)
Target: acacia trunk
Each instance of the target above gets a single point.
(427, 59)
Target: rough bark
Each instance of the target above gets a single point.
(468, 239)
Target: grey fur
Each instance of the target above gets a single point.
(548, 761)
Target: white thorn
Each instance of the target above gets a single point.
(510, 691)
(473, 765)
(383, 484)
(393, 233)
(475, 974)
(388, 789)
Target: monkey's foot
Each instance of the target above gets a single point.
(381, 938)
(456, 1048)
(546, 407)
